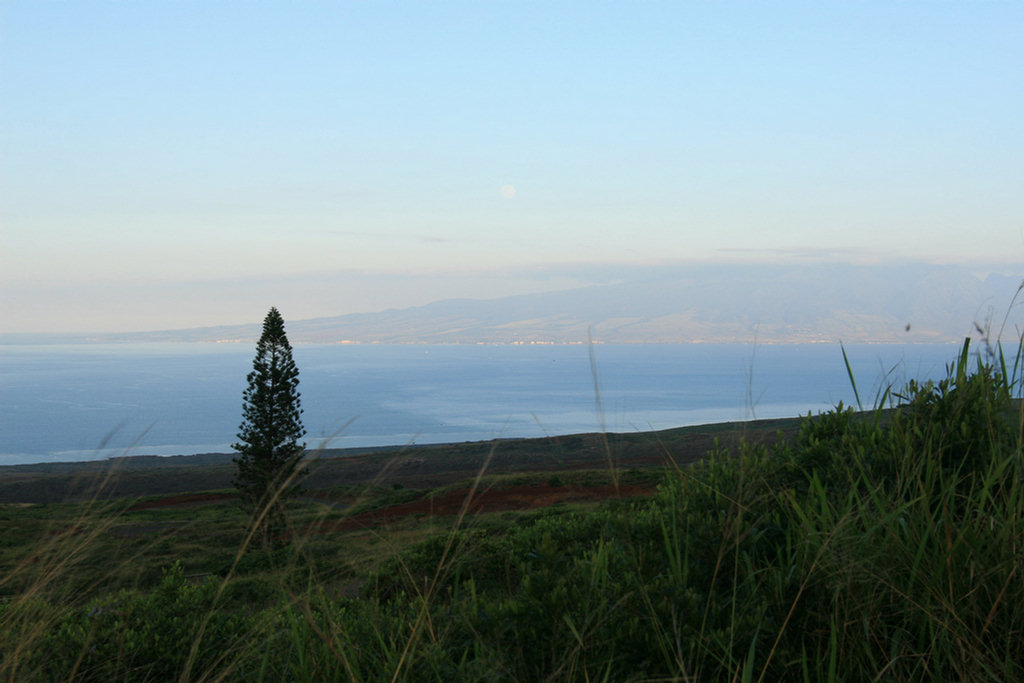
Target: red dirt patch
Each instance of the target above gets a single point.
(136, 530)
(521, 497)
(487, 500)
(184, 500)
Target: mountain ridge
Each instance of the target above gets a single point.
(679, 304)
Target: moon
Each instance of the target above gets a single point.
(508, 191)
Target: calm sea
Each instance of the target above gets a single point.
(63, 403)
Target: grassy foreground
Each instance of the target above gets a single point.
(876, 546)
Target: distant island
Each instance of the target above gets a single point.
(819, 303)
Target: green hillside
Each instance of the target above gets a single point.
(876, 546)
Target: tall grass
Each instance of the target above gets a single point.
(881, 545)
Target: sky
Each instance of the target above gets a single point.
(174, 164)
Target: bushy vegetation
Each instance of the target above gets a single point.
(885, 545)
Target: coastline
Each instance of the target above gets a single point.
(416, 466)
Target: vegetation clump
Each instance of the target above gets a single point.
(884, 545)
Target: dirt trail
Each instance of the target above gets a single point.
(449, 504)
(186, 500)
(485, 500)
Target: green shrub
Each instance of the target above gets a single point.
(146, 637)
(878, 546)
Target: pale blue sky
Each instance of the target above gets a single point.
(165, 164)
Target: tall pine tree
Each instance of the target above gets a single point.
(270, 454)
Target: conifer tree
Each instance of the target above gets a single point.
(270, 454)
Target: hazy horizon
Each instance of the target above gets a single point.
(660, 304)
(244, 300)
(169, 165)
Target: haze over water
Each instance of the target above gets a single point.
(64, 403)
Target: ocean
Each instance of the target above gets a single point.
(70, 403)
